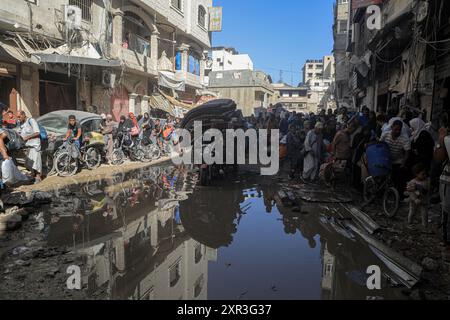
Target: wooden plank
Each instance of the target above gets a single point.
(408, 271)
(363, 219)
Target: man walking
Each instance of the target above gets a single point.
(313, 149)
(30, 132)
(400, 147)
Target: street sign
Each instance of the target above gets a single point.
(215, 19)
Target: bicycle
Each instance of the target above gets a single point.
(151, 150)
(123, 146)
(377, 186)
(379, 183)
(67, 158)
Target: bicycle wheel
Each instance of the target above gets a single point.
(155, 152)
(147, 153)
(391, 202)
(65, 165)
(92, 158)
(117, 157)
(138, 155)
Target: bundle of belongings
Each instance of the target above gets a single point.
(11, 175)
(218, 114)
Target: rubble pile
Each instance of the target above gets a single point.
(16, 207)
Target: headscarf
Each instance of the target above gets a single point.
(418, 126)
(133, 119)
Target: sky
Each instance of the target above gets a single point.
(277, 34)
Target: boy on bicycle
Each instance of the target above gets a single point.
(74, 132)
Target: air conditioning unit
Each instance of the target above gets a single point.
(72, 17)
(108, 79)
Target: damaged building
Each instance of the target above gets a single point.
(104, 56)
(402, 64)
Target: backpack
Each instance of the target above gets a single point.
(42, 132)
(15, 141)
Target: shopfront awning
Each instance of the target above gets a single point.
(56, 58)
(12, 52)
(86, 54)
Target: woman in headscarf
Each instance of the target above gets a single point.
(133, 119)
(146, 127)
(422, 144)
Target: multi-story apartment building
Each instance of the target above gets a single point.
(224, 59)
(292, 98)
(404, 62)
(107, 56)
(319, 75)
(341, 34)
(251, 90)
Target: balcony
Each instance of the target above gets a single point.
(193, 80)
(138, 61)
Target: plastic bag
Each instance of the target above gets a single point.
(11, 174)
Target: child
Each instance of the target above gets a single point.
(74, 132)
(418, 190)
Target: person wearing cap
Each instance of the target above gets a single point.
(314, 149)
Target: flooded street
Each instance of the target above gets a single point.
(155, 234)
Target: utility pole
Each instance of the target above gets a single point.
(292, 76)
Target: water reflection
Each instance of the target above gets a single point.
(151, 234)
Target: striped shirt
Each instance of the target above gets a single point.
(398, 146)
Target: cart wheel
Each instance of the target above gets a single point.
(391, 202)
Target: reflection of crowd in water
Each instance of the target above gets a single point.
(114, 200)
(128, 230)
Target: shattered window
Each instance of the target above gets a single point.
(85, 6)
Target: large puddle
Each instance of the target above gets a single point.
(155, 234)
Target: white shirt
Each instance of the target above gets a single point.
(387, 127)
(29, 128)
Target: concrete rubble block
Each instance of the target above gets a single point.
(40, 197)
(17, 199)
(27, 198)
(18, 211)
(430, 264)
(10, 222)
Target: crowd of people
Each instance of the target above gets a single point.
(418, 152)
(23, 133)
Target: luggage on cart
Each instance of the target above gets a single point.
(379, 159)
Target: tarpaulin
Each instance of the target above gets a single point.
(158, 101)
(167, 80)
(175, 102)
